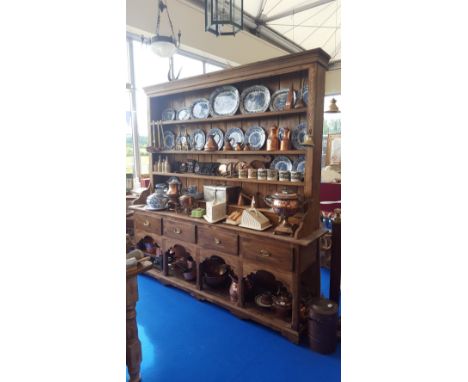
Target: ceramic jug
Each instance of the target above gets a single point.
(272, 141)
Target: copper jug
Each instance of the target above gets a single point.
(211, 144)
(284, 146)
(227, 145)
(273, 141)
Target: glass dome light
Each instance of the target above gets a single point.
(163, 46)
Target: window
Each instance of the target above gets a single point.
(331, 124)
(150, 69)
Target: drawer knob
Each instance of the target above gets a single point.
(177, 230)
(146, 223)
(217, 241)
(264, 253)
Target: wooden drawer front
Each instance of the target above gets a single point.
(179, 230)
(217, 239)
(148, 223)
(270, 252)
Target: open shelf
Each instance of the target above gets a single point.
(267, 314)
(221, 152)
(226, 179)
(238, 117)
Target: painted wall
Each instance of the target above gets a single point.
(241, 49)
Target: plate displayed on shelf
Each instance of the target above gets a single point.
(235, 135)
(169, 140)
(218, 136)
(184, 114)
(255, 137)
(198, 139)
(305, 93)
(224, 101)
(281, 163)
(255, 99)
(299, 164)
(298, 136)
(279, 98)
(168, 115)
(201, 108)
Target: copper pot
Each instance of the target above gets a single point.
(174, 188)
(284, 203)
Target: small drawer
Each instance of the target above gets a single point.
(270, 252)
(148, 223)
(217, 239)
(179, 230)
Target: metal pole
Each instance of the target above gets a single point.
(136, 142)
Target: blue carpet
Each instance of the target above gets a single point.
(184, 339)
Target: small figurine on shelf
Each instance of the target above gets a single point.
(238, 147)
(246, 147)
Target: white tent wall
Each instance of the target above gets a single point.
(241, 49)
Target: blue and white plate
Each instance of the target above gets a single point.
(281, 163)
(298, 134)
(168, 115)
(255, 99)
(218, 136)
(169, 140)
(305, 93)
(198, 139)
(201, 108)
(224, 101)
(255, 137)
(279, 98)
(235, 135)
(184, 114)
(299, 164)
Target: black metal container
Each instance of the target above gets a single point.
(323, 319)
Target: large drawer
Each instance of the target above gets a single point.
(148, 223)
(179, 230)
(274, 253)
(217, 239)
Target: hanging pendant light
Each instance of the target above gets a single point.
(224, 17)
(164, 46)
(333, 108)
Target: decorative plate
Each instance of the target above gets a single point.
(305, 93)
(201, 108)
(299, 164)
(298, 134)
(169, 140)
(224, 101)
(281, 163)
(255, 99)
(255, 137)
(184, 114)
(198, 139)
(235, 135)
(279, 98)
(168, 115)
(218, 136)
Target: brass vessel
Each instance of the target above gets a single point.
(211, 144)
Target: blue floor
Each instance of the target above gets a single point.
(184, 339)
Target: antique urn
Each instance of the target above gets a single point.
(173, 192)
(285, 204)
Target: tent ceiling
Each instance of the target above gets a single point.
(310, 24)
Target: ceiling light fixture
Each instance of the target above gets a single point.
(224, 17)
(164, 46)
